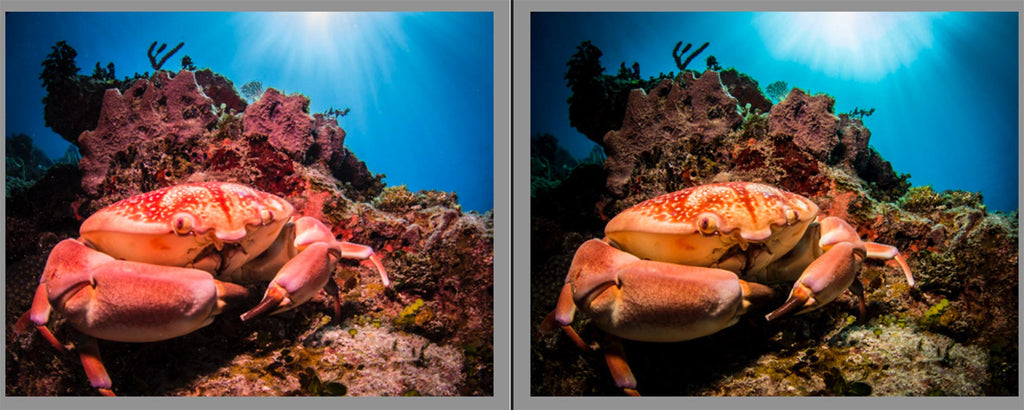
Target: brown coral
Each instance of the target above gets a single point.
(809, 120)
(161, 107)
(685, 108)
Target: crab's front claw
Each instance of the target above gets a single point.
(640, 299)
(122, 301)
(126, 301)
(646, 300)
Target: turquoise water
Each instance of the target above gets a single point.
(419, 85)
(944, 85)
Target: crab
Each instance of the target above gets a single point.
(689, 263)
(164, 263)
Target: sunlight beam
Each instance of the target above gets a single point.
(863, 46)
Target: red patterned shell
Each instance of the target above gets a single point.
(223, 207)
(749, 207)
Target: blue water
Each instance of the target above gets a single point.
(944, 85)
(419, 85)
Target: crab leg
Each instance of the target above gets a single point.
(822, 281)
(880, 251)
(89, 354)
(298, 281)
(615, 357)
(309, 230)
(38, 315)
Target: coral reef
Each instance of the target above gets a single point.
(954, 333)
(598, 100)
(745, 89)
(72, 102)
(152, 56)
(809, 119)
(550, 163)
(165, 108)
(220, 89)
(430, 333)
(284, 120)
(25, 163)
(690, 108)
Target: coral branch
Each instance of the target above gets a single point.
(152, 56)
(678, 54)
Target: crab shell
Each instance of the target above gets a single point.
(696, 226)
(174, 225)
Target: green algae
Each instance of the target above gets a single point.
(932, 317)
(924, 199)
(407, 317)
(920, 199)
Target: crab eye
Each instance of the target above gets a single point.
(182, 224)
(707, 225)
(266, 216)
(791, 217)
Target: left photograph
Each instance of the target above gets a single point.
(249, 204)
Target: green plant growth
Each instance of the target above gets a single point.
(335, 113)
(712, 63)
(838, 385)
(59, 66)
(104, 74)
(931, 317)
(861, 113)
(311, 383)
(925, 199)
(407, 317)
(394, 199)
(186, 63)
(920, 199)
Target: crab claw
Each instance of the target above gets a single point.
(297, 281)
(822, 281)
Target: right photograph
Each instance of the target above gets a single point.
(774, 204)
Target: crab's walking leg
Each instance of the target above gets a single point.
(822, 281)
(38, 315)
(564, 312)
(309, 230)
(305, 273)
(615, 357)
(886, 252)
(89, 353)
(297, 281)
(356, 251)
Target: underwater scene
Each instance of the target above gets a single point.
(249, 204)
(774, 204)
